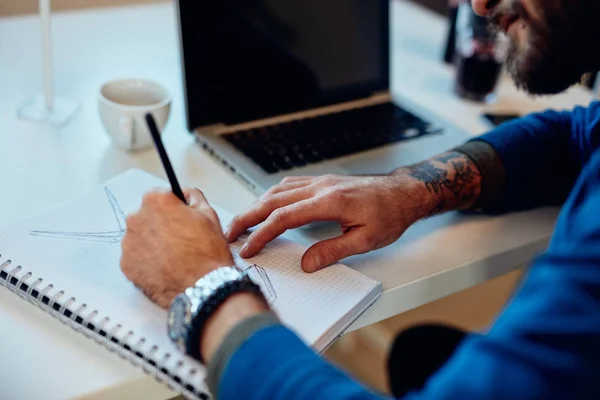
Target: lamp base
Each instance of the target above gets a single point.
(35, 110)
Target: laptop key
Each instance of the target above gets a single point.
(313, 156)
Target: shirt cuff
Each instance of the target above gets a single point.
(493, 174)
(234, 339)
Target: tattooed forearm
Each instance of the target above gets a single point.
(452, 179)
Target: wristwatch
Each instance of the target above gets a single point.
(190, 310)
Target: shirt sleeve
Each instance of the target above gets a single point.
(542, 155)
(275, 364)
(545, 344)
(232, 341)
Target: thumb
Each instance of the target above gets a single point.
(327, 252)
(195, 199)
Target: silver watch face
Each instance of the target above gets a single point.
(187, 305)
(178, 319)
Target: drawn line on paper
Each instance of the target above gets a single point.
(258, 273)
(112, 236)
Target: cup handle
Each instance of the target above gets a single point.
(126, 137)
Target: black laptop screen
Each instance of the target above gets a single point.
(250, 59)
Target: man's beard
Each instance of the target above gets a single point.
(554, 55)
(540, 66)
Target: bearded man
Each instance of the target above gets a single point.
(546, 342)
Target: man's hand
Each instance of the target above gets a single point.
(373, 211)
(168, 245)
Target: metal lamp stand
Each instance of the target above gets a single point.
(46, 107)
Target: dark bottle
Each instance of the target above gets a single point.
(478, 59)
(449, 48)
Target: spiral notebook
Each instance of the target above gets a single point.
(66, 261)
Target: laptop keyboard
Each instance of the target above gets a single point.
(297, 143)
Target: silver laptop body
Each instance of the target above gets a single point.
(212, 136)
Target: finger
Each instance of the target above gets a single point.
(289, 179)
(196, 199)
(285, 186)
(152, 197)
(327, 252)
(133, 221)
(159, 197)
(194, 196)
(289, 217)
(160, 189)
(262, 210)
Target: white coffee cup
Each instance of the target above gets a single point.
(123, 105)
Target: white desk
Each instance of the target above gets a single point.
(41, 166)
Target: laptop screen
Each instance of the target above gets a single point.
(251, 59)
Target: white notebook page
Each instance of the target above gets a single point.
(76, 248)
(310, 303)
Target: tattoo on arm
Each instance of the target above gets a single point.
(452, 178)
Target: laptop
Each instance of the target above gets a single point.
(277, 88)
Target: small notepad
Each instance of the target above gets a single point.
(66, 261)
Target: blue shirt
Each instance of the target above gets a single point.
(546, 342)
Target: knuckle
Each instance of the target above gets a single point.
(274, 189)
(262, 202)
(270, 202)
(329, 179)
(263, 207)
(278, 216)
(133, 221)
(287, 179)
(152, 198)
(126, 242)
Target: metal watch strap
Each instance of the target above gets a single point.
(208, 308)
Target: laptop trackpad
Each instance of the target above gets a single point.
(381, 161)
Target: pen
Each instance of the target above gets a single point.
(164, 158)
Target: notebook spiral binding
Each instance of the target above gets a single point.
(99, 329)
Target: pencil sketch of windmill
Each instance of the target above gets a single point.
(259, 275)
(109, 236)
